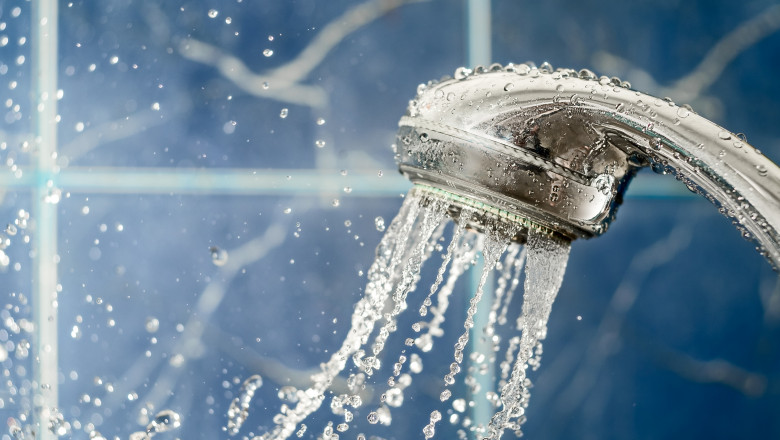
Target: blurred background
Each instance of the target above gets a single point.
(210, 202)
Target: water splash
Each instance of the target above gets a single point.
(239, 407)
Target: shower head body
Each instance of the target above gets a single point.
(555, 150)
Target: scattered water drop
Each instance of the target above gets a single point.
(373, 418)
(268, 52)
(459, 405)
(319, 143)
(283, 113)
(218, 256)
(379, 222)
(213, 13)
(165, 420)
(152, 324)
(320, 121)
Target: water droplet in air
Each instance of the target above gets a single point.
(213, 13)
(459, 405)
(218, 256)
(287, 210)
(320, 121)
(379, 222)
(152, 324)
(373, 418)
(283, 113)
(268, 52)
(165, 420)
(446, 394)
(319, 143)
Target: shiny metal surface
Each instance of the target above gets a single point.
(558, 148)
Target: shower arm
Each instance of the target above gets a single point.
(555, 151)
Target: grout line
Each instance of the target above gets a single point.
(45, 282)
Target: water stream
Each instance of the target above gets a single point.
(415, 235)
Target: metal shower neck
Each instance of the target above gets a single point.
(556, 149)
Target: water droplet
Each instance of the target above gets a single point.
(762, 170)
(379, 222)
(266, 86)
(373, 417)
(620, 107)
(301, 431)
(446, 394)
(509, 86)
(218, 256)
(153, 324)
(725, 135)
(683, 112)
(459, 405)
(320, 121)
(268, 52)
(213, 13)
(165, 420)
(462, 73)
(287, 210)
(319, 143)
(283, 113)
(450, 96)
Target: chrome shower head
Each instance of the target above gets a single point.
(555, 150)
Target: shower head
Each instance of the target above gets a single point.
(554, 150)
